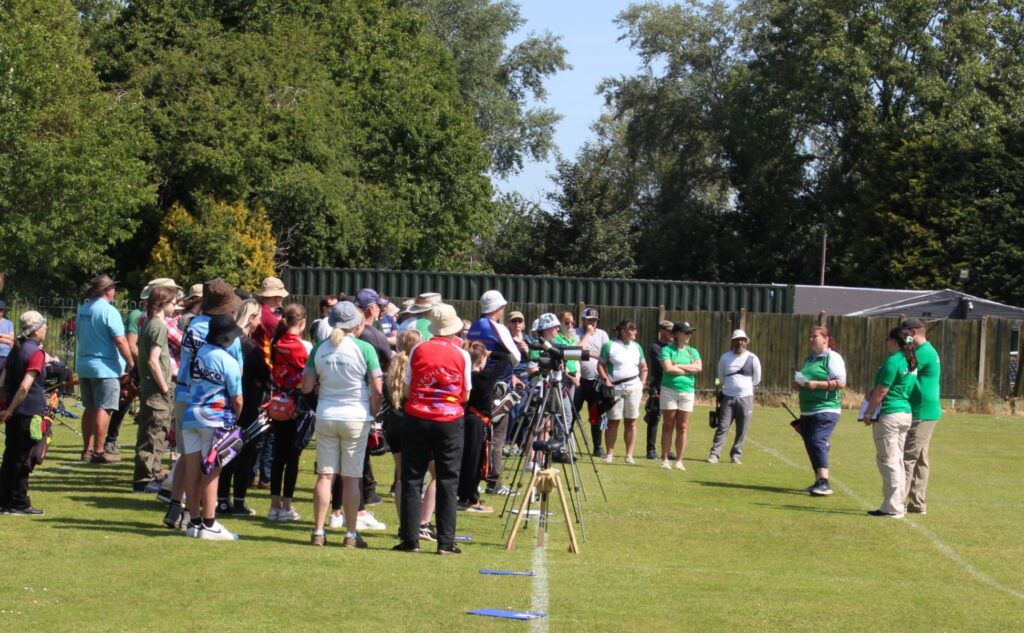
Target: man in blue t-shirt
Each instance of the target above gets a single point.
(102, 357)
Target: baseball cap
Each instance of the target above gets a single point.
(912, 323)
(684, 327)
(590, 313)
(366, 297)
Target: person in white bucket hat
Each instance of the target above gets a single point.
(739, 371)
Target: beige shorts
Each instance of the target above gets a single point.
(341, 446)
(198, 441)
(628, 406)
(672, 400)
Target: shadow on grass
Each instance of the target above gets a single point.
(103, 525)
(818, 509)
(775, 489)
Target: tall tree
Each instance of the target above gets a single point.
(72, 174)
(500, 81)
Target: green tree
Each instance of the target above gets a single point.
(72, 174)
(499, 80)
(343, 120)
(222, 240)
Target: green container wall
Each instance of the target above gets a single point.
(641, 293)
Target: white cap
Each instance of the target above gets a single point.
(491, 301)
(739, 334)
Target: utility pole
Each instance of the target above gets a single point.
(824, 246)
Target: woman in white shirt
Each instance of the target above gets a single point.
(622, 367)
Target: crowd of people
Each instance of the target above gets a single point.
(218, 368)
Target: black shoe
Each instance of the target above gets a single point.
(561, 458)
(652, 455)
(598, 452)
(448, 550)
(225, 509)
(671, 456)
(820, 489)
(240, 509)
(375, 500)
(406, 546)
(173, 517)
(111, 448)
(29, 511)
(885, 515)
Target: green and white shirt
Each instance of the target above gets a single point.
(622, 360)
(828, 365)
(896, 375)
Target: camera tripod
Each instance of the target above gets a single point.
(544, 481)
(549, 409)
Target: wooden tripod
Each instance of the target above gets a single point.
(544, 481)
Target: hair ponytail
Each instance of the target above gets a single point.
(904, 339)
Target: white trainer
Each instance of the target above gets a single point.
(369, 523)
(667, 465)
(630, 460)
(288, 514)
(679, 465)
(217, 532)
(336, 521)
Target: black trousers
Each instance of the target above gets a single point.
(472, 459)
(284, 470)
(423, 440)
(116, 420)
(14, 471)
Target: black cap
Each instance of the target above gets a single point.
(912, 323)
(223, 330)
(684, 327)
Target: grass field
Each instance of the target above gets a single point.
(718, 547)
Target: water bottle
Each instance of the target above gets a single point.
(604, 421)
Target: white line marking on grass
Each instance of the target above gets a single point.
(939, 544)
(58, 470)
(539, 596)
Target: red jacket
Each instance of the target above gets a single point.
(438, 383)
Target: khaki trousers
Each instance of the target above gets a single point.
(915, 463)
(890, 433)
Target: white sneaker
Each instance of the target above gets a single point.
(367, 522)
(336, 521)
(608, 458)
(273, 515)
(194, 531)
(217, 532)
(288, 514)
(630, 460)
(679, 465)
(712, 459)
(667, 465)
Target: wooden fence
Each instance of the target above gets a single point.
(975, 355)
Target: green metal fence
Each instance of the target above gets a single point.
(674, 295)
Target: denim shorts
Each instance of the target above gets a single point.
(100, 393)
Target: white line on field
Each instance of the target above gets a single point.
(58, 470)
(539, 597)
(939, 544)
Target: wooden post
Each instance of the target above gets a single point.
(1015, 389)
(982, 345)
(822, 318)
(743, 319)
(661, 312)
(579, 312)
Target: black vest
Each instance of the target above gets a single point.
(35, 402)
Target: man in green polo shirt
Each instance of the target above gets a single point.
(926, 410)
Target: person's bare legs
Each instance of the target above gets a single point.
(668, 425)
(429, 497)
(350, 502)
(609, 435)
(88, 429)
(102, 421)
(321, 501)
(683, 418)
(208, 493)
(191, 480)
(629, 436)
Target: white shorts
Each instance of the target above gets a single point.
(628, 406)
(197, 440)
(672, 400)
(341, 446)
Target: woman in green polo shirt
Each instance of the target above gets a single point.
(894, 382)
(680, 363)
(820, 380)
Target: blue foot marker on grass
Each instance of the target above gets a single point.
(505, 613)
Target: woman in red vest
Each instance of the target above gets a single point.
(437, 385)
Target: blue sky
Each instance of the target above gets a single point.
(590, 36)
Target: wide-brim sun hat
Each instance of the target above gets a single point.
(195, 291)
(344, 315)
(219, 298)
(424, 303)
(444, 321)
(100, 284)
(162, 282)
(272, 287)
(492, 301)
